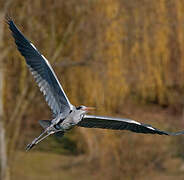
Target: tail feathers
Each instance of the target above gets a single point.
(44, 123)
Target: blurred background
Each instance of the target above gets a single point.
(124, 57)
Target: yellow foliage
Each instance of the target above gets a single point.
(133, 50)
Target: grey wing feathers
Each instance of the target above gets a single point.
(42, 72)
(90, 121)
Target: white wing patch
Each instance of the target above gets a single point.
(150, 128)
(33, 46)
(71, 107)
(134, 122)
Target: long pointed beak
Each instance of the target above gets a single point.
(89, 108)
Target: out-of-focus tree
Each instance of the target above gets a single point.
(104, 53)
(21, 92)
(4, 166)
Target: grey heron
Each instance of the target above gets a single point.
(66, 115)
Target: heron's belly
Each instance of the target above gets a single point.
(70, 121)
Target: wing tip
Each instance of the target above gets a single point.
(8, 19)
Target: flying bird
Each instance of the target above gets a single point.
(66, 115)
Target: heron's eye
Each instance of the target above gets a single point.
(79, 107)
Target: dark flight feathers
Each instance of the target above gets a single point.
(90, 121)
(42, 72)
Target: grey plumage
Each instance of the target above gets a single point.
(67, 115)
(42, 72)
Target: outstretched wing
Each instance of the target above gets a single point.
(90, 121)
(42, 72)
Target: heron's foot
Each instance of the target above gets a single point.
(38, 140)
(30, 146)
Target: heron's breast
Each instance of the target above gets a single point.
(71, 120)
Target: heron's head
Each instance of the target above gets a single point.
(84, 108)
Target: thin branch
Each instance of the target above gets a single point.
(68, 63)
(17, 126)
(16, 111)
(63, 41)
